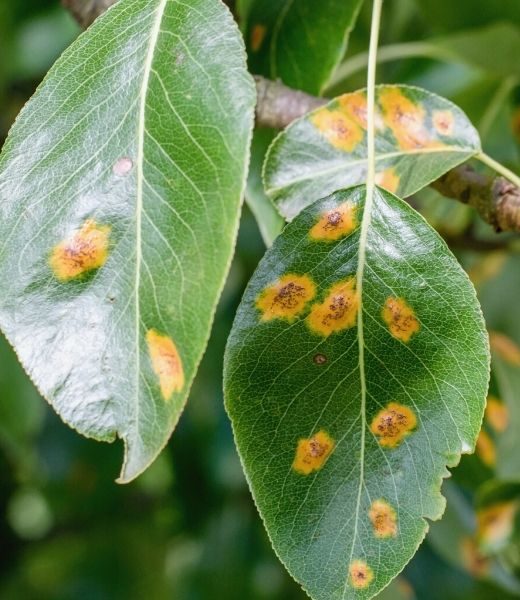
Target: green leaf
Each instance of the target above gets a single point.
(345, 433)
(269, 220)
(300, 42)
(419, 136)
(120, 190)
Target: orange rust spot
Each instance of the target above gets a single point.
(286, 298)
(443, 121)
(85, 250)
(405, 119)
(338, 311)
(360, 574)
(497, 414)
(495, 524)
(123, 166)
(388, 179)
(257, 37)
(486, 449)
(383, 519)
(473, 560)
(312, 453)
(335, 223)
(392, 424)
(166, 363)
(355, 106)
(505, 348)
(400, 319)
(340, 130)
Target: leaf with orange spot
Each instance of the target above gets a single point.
(419, 137)
(345, 451)
(121, 186)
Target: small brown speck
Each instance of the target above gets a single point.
(320, 359)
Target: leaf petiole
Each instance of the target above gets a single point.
(499, 168)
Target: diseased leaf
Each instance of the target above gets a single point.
(300, 42)
(419, 136)
(345, 433)
(120, 191)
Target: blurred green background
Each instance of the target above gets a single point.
(188, 529)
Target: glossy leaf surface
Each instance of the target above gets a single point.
(120, 192)
(345, 433)
(419, 136)
(299, 42)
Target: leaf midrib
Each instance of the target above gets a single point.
(150, 55)
(380, 157)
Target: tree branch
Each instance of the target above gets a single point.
(87, 11)
(495, 199)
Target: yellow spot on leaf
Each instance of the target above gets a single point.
(405, 119)
(311, 453)
(257, 37)
(505, 348)
(383, 519)
(355, 106)
(286, 298)
(392, 424)
(497, 414)
(360, 574)
(473, 560)
(339, 129)
(85, 250)
(338, 311)
(335, 223)
(166, 363)
(495, 524)
(443, 121)
(400, 319)
(388, 179)
(486, 449)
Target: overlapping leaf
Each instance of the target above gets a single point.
(345, 432)
(120, 192)
(299, 42)
(419, 136)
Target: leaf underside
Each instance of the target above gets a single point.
(345, 455)
(419, 137)
(120, 191)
